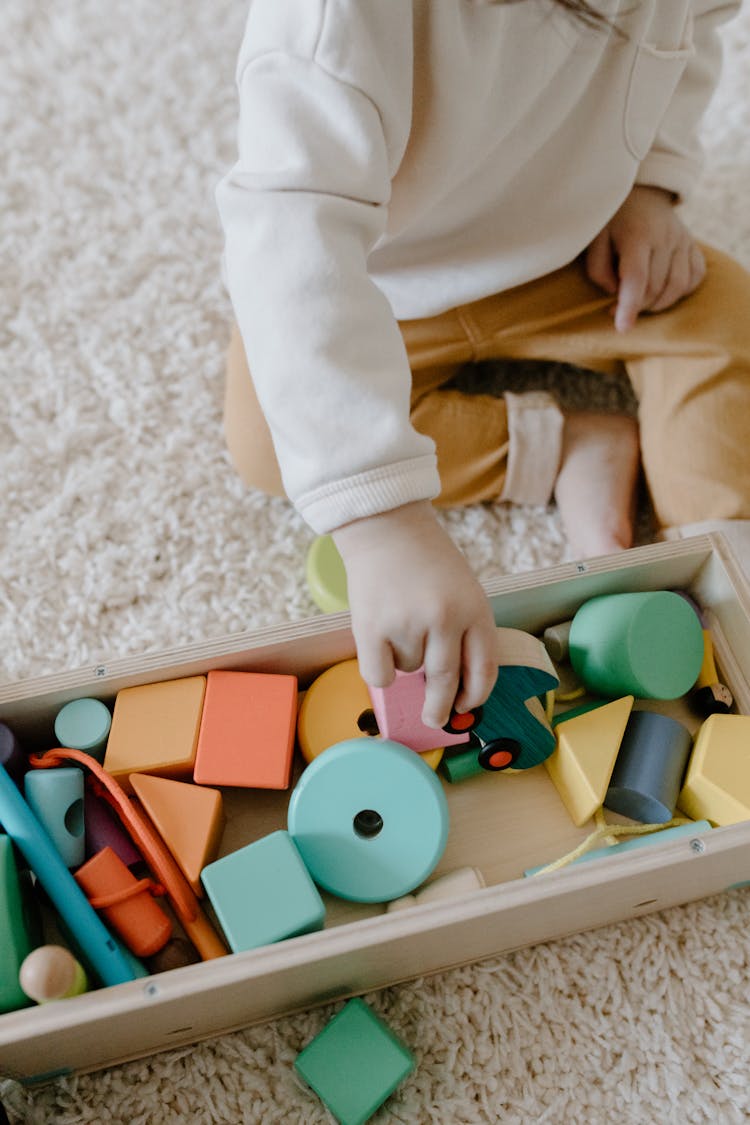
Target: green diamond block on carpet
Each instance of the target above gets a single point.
(354, 1064)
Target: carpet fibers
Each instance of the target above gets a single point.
(124, 529)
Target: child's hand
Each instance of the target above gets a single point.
(645, 255)
(414, 600)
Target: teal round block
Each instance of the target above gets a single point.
(326, 576)
(370, 820)
(648, 644)
(83, 724)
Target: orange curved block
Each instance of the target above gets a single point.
(189, 818)
(126, 902)
(246, 735)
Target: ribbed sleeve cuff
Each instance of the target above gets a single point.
(369, 493)
(535, 433)
(677, 174)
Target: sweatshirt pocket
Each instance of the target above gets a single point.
(653, 81)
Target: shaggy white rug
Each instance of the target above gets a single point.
(125, 529)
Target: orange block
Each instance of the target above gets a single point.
(155, 729)
(126, 902)
(247, 731)
(189, 819)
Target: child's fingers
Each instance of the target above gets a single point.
(600, 263)
(442, 669)
(634, 280)
(376, 662)
(677, 282)
(478, 667)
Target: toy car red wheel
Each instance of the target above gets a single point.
(459, 722)
(499, 754)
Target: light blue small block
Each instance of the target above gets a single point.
(84, 724)
(56, 796)
(263, 893)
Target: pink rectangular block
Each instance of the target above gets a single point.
(398, 710)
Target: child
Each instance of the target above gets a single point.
(424, 184)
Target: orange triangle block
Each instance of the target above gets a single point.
(582, 763)
(189, 818)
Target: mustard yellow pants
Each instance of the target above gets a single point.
(689, 368)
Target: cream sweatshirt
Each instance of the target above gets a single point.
(401, 157)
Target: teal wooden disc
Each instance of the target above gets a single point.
(370, 820)
(326, 576)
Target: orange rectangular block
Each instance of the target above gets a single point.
(247, 731)
(155, 729)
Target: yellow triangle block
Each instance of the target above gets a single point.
(189, 818)
(582, 763)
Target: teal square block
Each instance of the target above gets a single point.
(354, 1064)
(263, 893)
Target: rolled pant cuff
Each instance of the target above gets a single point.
(535, 436)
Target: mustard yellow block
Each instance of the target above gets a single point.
(332, 709)
(717, 781)
(189, 818)
(581, 765)
(155, 729)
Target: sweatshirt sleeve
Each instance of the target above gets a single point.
(320, 138)
(675, 158)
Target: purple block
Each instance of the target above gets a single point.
(11, 754)
(103, 830)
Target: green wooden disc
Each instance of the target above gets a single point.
(326, 576)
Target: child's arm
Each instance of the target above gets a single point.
(645, 255)
(414, 601)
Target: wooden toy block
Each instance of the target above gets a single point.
(51, 972)
(18, 928)
(247, 731)
(709, 696)
(12, 756)
(582, 763)
(650, 765)
(370, 820)
(189, 818)
(717, 781)
(556, 640)
(453, 884)
(326, 576)
(398, 710)
(355, 1063)
(155, 730)
(87, 930)
(337, 707)
(174, 955)
(126, 902)
(84, 724)
(263, 893)
(155, 852)
(57, 802)
(513, 727)
(103, 830)
(648, 644)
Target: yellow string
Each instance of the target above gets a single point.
(574, 693)
(606, 833)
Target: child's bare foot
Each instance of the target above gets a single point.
(596, 485)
